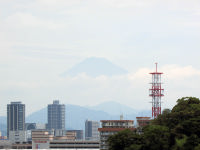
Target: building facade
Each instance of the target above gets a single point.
(17, 136)
(56, 116)
(91, 130)
(29, 127)
(15, 117)
(5, 144)
(143, 121)
(41, 139)
(111, 127)
(79, 134)
(66, 144)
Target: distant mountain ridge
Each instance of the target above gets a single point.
(95, 66)
(3, 125)
(114, 108)
(76, 115)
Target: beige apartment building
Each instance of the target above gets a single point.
(111, 127)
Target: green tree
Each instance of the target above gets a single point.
(178, 129)
(183, 120)
(179, 145)
(124, 139)
(197, 147)
(191, 142)
(134, 147)
(156, 137)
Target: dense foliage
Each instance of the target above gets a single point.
(178, 129)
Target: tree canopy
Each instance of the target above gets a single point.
(176, 129)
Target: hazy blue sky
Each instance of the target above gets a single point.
(40, 39)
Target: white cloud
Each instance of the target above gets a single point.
(177, 72)
(171, 72)
(128, 3)
(139, 74)
(46, 5)
(57, 4)
(132, 89)
(21, 20)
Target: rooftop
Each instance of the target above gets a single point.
(16, 102)
(114, 129)
(117, 121)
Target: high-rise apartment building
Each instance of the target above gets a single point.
(56, 116)
(15, 117)
(91, 130)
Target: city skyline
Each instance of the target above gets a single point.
(42, 39)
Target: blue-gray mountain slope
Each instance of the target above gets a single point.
(114, 108)
(94, 67)
(76, 115)
(3, 125)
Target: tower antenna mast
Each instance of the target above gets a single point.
(156, 92)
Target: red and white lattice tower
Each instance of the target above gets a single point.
(156, 92)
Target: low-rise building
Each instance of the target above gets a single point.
(79, 134)
(25, 145)
(59, 132)
(143, 121)
(111, 127)
(32, 126)
(5, 144)
(91, 130)
(64, 144)
(71, 135)
(17, 136)
(41, 139)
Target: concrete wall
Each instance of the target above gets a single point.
(17, 136)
